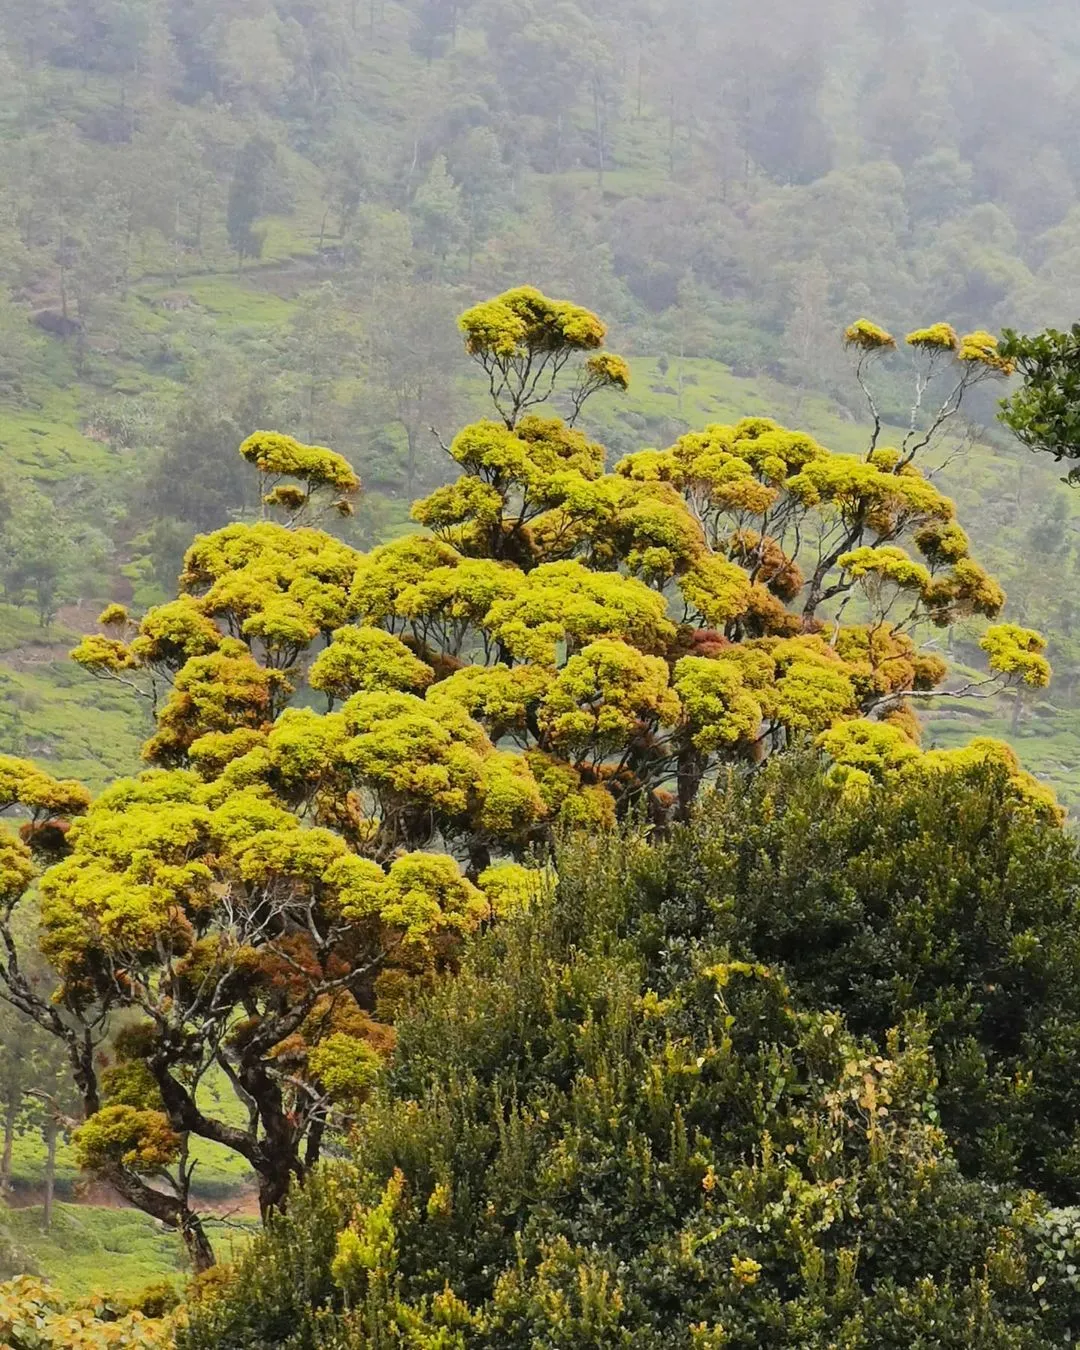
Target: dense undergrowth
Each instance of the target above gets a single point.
(795, 1077)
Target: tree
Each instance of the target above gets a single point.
(36, 1091)
(1045, 412)
(15, 1078)
(440, 220)
(781, 121)
(414, 356)
(196, 477)
(563, 645)
(478, 167)
(41, 559)
(320, 349)
(247, 196)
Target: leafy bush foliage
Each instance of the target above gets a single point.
(34, 1317)
(621, 1126)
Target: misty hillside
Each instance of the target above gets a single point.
(228, 217)
(220, 216)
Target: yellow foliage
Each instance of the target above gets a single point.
(500, 697)
(719, 707)
(509, 886)
(887, 562)
(524, 320)
(275, 455)
(939, 337)
(344, 1067)
(602, 696)
(367, 659)
(34, 1316)
(16, 869)
(140, 1139)
(981, 348)
(868, 337)
(23, 783)
(1015, 651)
(567, 604)
(864, 753)
(609, 370)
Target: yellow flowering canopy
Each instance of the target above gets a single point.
(359, 759)
(315, 469)
(524, 341)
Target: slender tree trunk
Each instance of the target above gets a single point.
(196, 1243)
(51, 1130)
(167, 1209)
(640, 78)
(690, 772)
(410, 463)
(599, 122)
(10, 1117)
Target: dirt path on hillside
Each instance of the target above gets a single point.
(242, 1204)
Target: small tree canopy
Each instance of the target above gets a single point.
(1044, 412)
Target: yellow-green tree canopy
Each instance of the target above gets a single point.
(359, 759)
(523, 341)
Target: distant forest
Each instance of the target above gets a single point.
(225, 214)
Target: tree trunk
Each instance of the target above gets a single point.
(273, 1190)
(200, 1252)
(691, 770)
(10, 1116)
(599, 121)
(410, 462)
(167, 1209)
(51, 1131)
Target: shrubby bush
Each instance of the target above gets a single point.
(947, 899)
(711, 1092)
(35, 1316)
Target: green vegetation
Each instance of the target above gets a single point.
(689, 1100)
(561, 649)
(90, 1248)
(358, 746)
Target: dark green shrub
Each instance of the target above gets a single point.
(619, 1126)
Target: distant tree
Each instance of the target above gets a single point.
(196, 477)
(248, 195)
(39, 560)
(51, 1108)
(346, 181)
(414, 357)
(938, 185)
(782, 123)
(321, 347)
(438, 214)
(544, 55)
(435, 27)
(16, 1076)
(478, 167)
